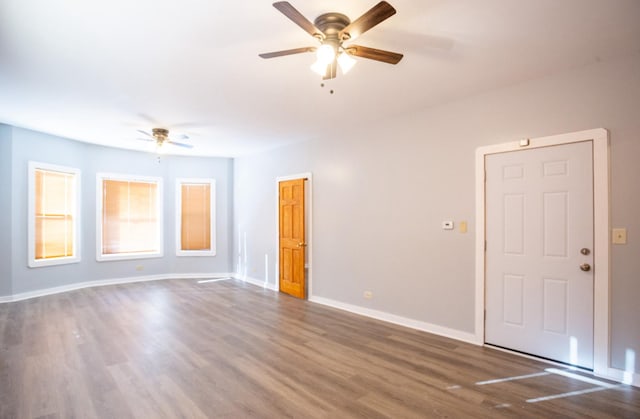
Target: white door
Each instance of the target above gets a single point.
(539, 252)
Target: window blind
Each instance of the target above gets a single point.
(196, 216)
(54, 213)
(129, 217)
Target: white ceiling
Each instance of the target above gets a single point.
(97, 71)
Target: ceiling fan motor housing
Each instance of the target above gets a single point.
(160, 134)
(331, 24)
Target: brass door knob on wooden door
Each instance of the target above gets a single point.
(301, 244)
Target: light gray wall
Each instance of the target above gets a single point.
(5, 210)
(90, 159)
(381, 191)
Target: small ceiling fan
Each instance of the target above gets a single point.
(332, 30)
(161, 137)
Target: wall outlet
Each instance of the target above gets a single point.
(447, 225)
(139, 268)
(619, 236)
(368, 295)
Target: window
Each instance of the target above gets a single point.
(195, 217)
(129, 217)
(54, 215)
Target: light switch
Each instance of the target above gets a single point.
(619, 236)
(447, 225)
(462, 226)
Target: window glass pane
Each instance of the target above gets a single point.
(196, 216)
(54, 218)
(130, 217)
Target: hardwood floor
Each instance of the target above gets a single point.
(179, 349)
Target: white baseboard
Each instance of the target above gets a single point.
(631, 378)
(399, 320)
(257, 282)
(103, 282)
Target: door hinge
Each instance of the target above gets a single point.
(485, 245)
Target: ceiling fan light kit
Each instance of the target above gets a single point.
(345, 62)
(334, 29)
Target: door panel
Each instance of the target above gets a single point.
(555, 305)
(539, 214)
(292, 238)
(555, 228)
(513, 299)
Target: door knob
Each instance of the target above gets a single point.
(585, 267)
(302, 244)
(585, 251)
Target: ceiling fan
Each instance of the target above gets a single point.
(161, 137)
(332, 30)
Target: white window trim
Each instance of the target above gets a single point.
(100, 177)
(212, 184)
(31, 227)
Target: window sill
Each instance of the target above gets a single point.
(41, 263)
(209, 253)
(128, 256)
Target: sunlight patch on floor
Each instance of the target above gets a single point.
(578, 377)
(206, 281)
(601, 385)
(571, 393)
(519, 377)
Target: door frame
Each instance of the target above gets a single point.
(308, 188)
(600, 138)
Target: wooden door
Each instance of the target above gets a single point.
(539, 252)
(292, 238)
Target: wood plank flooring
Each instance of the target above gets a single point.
(179, 349)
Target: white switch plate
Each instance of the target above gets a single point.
(447, 225)
(619, 236)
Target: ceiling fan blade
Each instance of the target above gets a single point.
(287, 52)
(149, 140)
(374, 16)
(289, 11)
(148, 134)
(188, 125)
(148, 119)
(180, 144)
(374, 54)
(181, 136)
